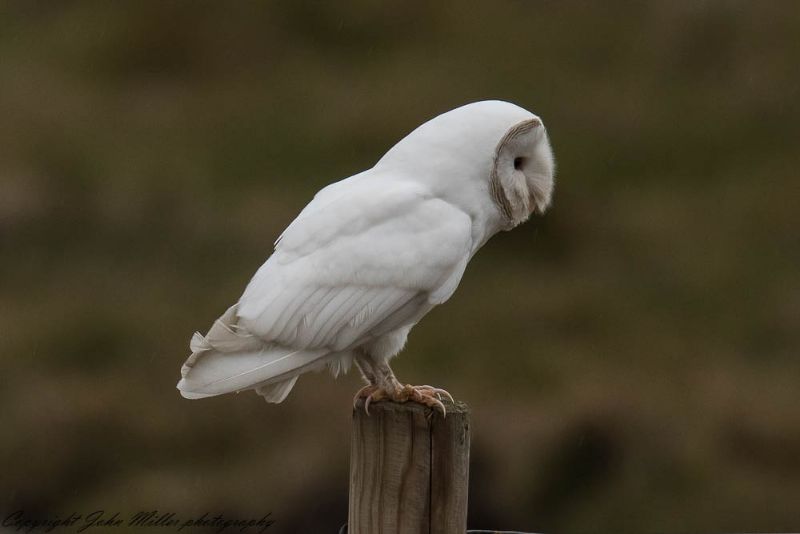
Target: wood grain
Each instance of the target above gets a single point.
(409, 470)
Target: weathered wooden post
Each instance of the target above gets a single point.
(409, 469)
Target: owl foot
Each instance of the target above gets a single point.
(425, 395)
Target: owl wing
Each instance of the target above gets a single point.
(358, 254)
(363, 258)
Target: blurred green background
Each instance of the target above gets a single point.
(631, 359)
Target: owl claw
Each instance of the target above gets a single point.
(364, 393)
(375, 396)
(440, 393)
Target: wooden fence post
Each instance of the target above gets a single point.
(409, 469)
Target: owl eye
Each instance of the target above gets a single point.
(518, 163)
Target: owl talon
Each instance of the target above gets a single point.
(363, 393)
(440, 393)
(425, 395)
(438, 405)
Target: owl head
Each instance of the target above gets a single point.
(489, 156)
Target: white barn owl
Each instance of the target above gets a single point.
(370, 255)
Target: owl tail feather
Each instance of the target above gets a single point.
(229, 359)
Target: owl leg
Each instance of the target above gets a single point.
(364, 364)
(387, 387)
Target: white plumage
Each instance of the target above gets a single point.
(370, 255)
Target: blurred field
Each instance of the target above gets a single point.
(631, 359)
